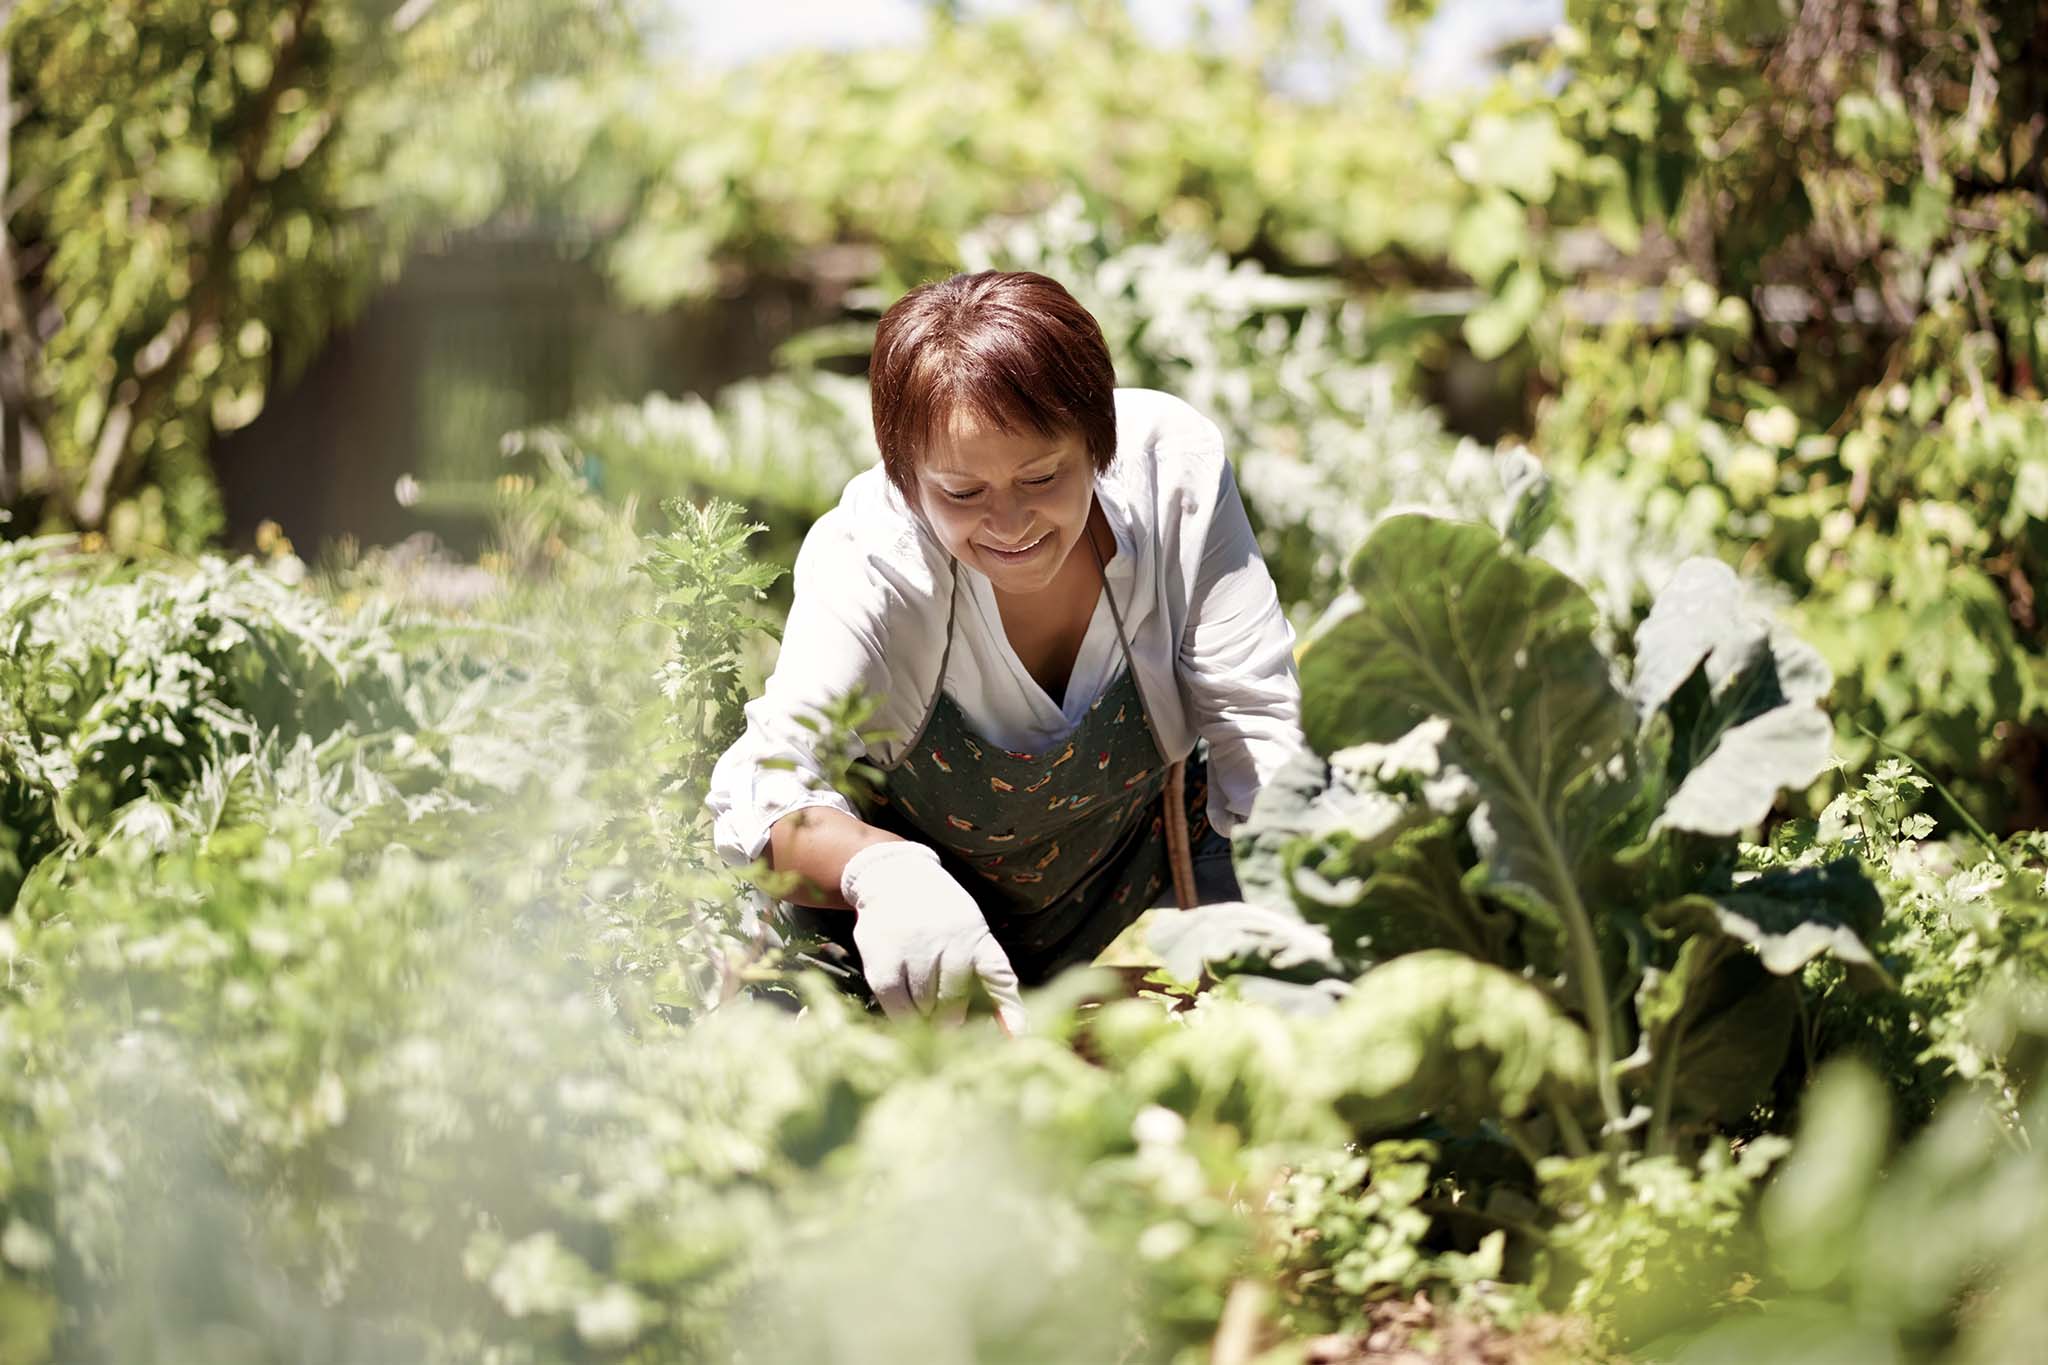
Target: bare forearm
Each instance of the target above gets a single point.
(815, 843)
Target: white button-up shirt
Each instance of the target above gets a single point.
(875, 589)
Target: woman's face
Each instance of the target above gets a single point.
(988, 492)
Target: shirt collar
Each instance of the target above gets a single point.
(1117, 512)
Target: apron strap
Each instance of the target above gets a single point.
(945, 658)
(1173, 820)
(1180, 858)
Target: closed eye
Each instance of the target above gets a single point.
(972, 494)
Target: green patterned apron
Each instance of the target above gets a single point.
(1061, 849)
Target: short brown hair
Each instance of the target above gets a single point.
(1011, 346)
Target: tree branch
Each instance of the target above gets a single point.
(114, 464)
(24, 417)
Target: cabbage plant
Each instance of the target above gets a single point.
(1485, 779)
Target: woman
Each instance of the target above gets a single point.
(1052, 585)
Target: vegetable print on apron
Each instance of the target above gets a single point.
(1061, 849)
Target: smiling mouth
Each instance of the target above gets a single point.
(1024, 553)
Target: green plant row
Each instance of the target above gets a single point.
(505, 1064)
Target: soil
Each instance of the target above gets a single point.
(1415, 1332)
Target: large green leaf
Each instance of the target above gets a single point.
(1447, 620)
(1735, 785)
(1489, 236)
(1499, 323)
(1409, 895)
(1233, 936)
(1521, 153)
(1737, 1027)
(1367, 846)
(1716, 1022)
(1305, 800)
(1814, 1211)
(1437, 1034)
(1742, 701)
(1790, 917)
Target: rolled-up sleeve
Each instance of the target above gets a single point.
(1237, 662)
(834, 642)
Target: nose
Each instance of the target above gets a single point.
(1008, 520)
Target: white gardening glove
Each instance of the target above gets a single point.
(922, 939)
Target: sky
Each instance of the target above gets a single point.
(1450, 50)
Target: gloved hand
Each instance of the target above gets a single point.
(922, 939)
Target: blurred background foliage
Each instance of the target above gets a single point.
(1769, 275)
(351, 892)
(195, 194)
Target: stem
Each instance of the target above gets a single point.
(1585, 947)
(1571, 910)
(1520, 1141)
(1237, 1330)
(24, 471)
(1568, 1127)
(1657, 1143)
(1578, 923)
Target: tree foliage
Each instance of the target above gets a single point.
(1822, 308)
(1771, 273)
(194, 195)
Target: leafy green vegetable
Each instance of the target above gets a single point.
(1438, 1033)
(1487, 787)
(1743, 702)
(1235, 934)
(1449, 622)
